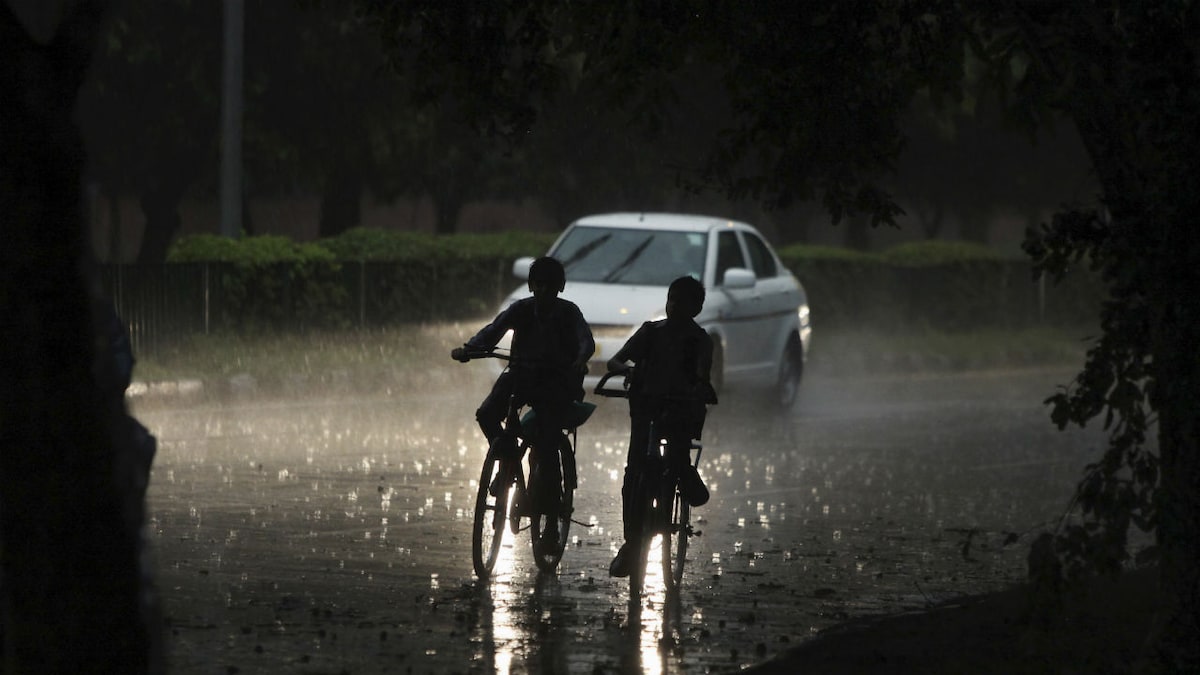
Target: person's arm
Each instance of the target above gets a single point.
(488, 336)
(583, 337)
(704, 357)
(704, 361)
(630, 351)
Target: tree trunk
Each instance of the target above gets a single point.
(1177, 382)
(160, 205)
(931, 220)
(114, 225)
(248, 227)
(1169, 259)
(858, 233)
(974, 227)
(72, 595)
(447, 204)
(341, 203)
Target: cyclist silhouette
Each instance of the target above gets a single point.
(673, 361)
(551, 345)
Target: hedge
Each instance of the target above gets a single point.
(367, 277)
(361, 277)
(945, 285)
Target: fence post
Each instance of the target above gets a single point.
(206, 298)
(1041, 297)
(501, 280)
(362, 294)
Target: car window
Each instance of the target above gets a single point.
(729, 254)
(760, 257)
(622, 256)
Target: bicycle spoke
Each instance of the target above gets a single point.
(487, 533)
(680, 531)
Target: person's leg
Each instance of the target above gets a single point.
(489, 415)
(639, 433)
(679, 456)
(548, 491)
(631, 511)
(679, 441)
(546, 472)
(494, 407)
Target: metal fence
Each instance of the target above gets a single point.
(163, 304)
(160, 303)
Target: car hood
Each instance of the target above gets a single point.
(611, 304)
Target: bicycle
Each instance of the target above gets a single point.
(664, 510)
(504, 493)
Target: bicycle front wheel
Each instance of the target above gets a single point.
(675, 543)
(491, 506)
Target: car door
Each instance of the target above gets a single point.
(737, 310)
(777, 298)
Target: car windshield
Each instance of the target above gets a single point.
(622, 256)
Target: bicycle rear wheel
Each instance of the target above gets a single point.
(675, 538)
(491, 505)
(547, 559)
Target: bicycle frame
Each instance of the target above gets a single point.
(503, 472)
(664, 511)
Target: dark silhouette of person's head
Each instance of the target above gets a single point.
(685, 298)
(549, 271)
(547, 278)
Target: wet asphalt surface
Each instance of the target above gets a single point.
(332, 534)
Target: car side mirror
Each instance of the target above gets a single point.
(738, 277)
(521, 267)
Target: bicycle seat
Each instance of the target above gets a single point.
(578, 413)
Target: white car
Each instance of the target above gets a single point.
(620, 264)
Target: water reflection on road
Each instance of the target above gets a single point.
(329, 535)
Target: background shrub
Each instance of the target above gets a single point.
(380, 278)
(941, 285)
(268, 282)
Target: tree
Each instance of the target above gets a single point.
(150, 107)
(72, 595)
(1126, 74)
(963, 162)
(321, 104)
(318, 104)
(818, 92)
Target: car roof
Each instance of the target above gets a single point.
(664, 221)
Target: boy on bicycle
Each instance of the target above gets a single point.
(673, 361)
(551, 345)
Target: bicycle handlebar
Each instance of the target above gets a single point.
(470, 354)
(614, 393)
(710, 398)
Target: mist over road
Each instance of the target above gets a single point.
(333, 535)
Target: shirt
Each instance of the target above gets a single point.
(554, 338)
(669, 357)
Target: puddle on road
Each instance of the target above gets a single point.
(337, 535)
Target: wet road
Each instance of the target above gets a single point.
(331, 536)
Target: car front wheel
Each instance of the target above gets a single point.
(791, 372)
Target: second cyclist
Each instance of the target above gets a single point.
(673, 361)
